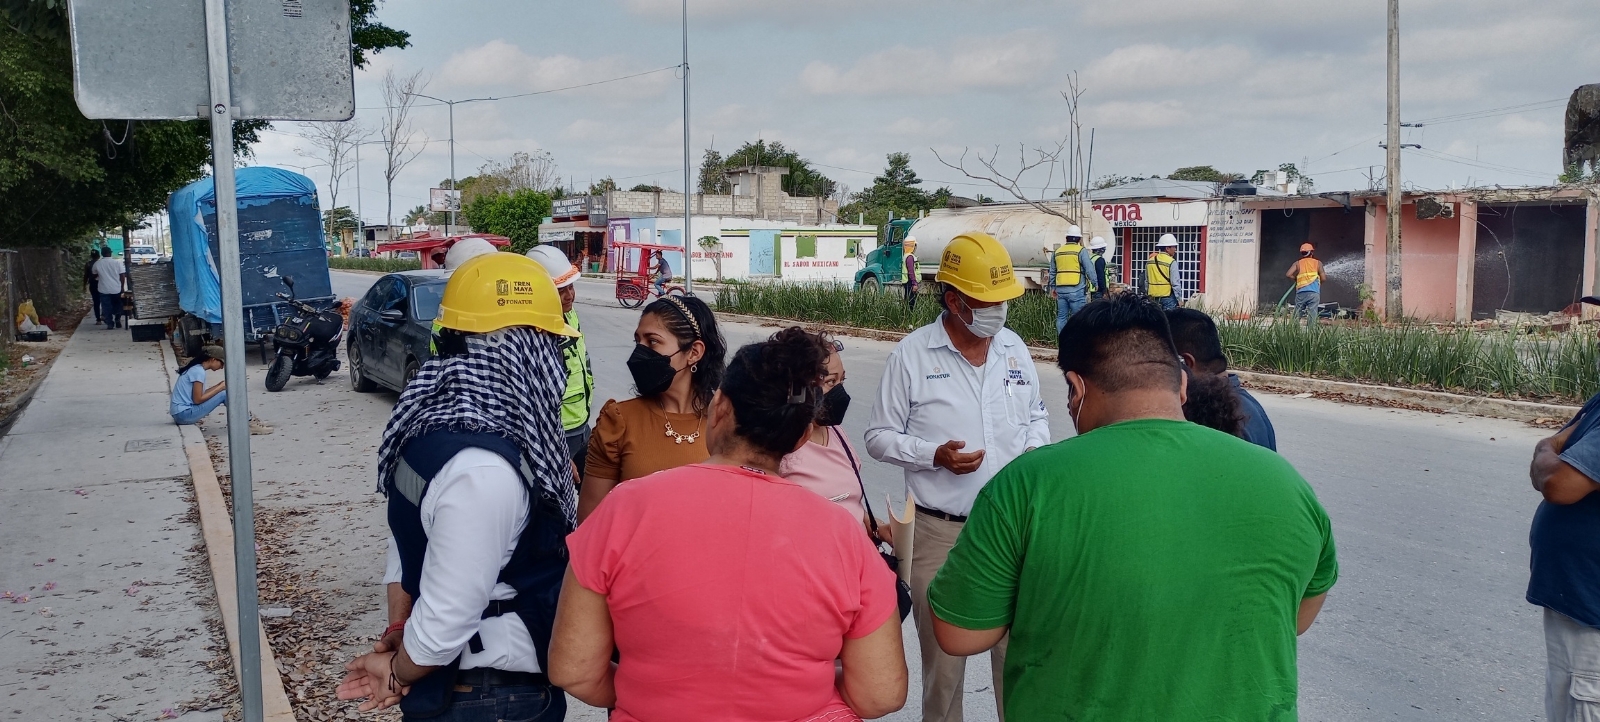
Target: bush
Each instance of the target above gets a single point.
(385, 265)
(1555, 366)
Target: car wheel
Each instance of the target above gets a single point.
(358, 381)
(278, 374)
(412, 367)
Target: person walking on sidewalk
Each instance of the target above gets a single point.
(481, 499)
(1565, 577)
(731, 593)
(959, 400)
(90, 284)
(193, 401)
(1160, 281)
(110, 277)
(574, 353)
(1071, 276)
(1130, 595)
(1307, 275)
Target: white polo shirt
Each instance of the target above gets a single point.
(930, 394)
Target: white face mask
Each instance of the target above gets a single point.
(986, 322)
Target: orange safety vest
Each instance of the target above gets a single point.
(1310, 272)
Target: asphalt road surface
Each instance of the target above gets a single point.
(1430, 513)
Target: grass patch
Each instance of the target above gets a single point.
(1510, 363)
(384, 265)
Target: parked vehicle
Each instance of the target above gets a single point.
(391, 329)
(280, 234)
(143, 254)
(307, 342)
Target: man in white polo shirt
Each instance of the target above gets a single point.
(959, 400)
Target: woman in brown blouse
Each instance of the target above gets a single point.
(676, 365)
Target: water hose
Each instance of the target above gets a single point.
(1282, 300)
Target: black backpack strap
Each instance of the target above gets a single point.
(870, 521)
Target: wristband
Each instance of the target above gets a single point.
(391, 628)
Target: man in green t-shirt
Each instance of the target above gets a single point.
(1147, 569)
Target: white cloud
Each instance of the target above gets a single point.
(919, 128)
(499, 64)
(1152, 66)
(992, 62)
(1137, 114)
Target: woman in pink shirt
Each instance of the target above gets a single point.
(727, 590)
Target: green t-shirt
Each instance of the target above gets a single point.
(1149, 570)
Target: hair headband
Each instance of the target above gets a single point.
(683, 309)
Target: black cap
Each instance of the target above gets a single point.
(1590, 300)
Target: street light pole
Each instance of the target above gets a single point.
(451, 104)
(688, 252)
(1391, 297)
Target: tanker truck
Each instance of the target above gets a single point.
(1028, 234)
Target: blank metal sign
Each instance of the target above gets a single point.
(146, 59)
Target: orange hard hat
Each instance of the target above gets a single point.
(1306, 247)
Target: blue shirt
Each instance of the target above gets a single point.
(1565, 538)
(1257, 427)
(183, 391)
(1312, 287)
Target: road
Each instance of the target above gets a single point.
(1430, 514)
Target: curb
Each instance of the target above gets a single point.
(1435, 401)
(216, 529)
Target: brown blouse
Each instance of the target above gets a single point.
(630, 440)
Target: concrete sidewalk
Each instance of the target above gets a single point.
(99, 533)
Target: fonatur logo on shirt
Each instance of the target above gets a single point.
(938, 373)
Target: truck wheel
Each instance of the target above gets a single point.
(280, 371)
(359, 382)
(870, 284)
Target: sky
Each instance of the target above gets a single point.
(1238, 84)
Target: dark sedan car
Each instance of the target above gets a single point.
(391, 327)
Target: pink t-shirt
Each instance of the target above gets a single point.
(828, 471)
(731, 594)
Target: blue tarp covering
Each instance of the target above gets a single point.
(280, 234)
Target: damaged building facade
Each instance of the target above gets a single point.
(1465, 254)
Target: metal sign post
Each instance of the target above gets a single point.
(262, 59)
(240, 483)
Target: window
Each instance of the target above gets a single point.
(425, 301)
(387, 293)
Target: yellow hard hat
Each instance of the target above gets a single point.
(499, 290)
(978, 266)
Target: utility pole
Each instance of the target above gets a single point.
(1391, 297)
(454, 193)
(688, 252)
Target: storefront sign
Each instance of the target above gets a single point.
(1228, 223)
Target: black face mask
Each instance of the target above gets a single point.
(652, 371)
(834, 404)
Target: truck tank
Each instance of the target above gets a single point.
(1027, 233)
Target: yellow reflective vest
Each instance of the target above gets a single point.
(1158, 275)
(580, 378)
(1069, 265)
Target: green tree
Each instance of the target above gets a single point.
(802, 179)
(646, 188)
(896, 190)
(64, 176)
(1202, 173)
(1111, 180)
(714, 175)
(514, 215)
(603, 186)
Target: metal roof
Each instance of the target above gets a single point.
(1156, 188)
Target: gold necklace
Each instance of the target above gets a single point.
(678, 438)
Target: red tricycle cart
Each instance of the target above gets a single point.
(634, 282)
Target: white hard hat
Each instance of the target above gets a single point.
(1097, 243)
(465, 250)
(1074, 232)
(556, 264)
(1167, 240)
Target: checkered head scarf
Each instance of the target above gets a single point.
(509, 382)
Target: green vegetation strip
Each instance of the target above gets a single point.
(1559, 367)
(385, 265)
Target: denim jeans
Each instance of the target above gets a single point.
(520, 703)
(110, 308)
(196, 412)
(661, 285)
(1068, 302)
(1305, 304)
(1168, 303)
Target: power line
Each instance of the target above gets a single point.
(536, 92)
(1490, 112)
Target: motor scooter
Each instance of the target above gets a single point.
(307, 342)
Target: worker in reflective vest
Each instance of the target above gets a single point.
(1102, 282)
(1160, 281)
(1307, 275)
(580, 377)
(1070, 277)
